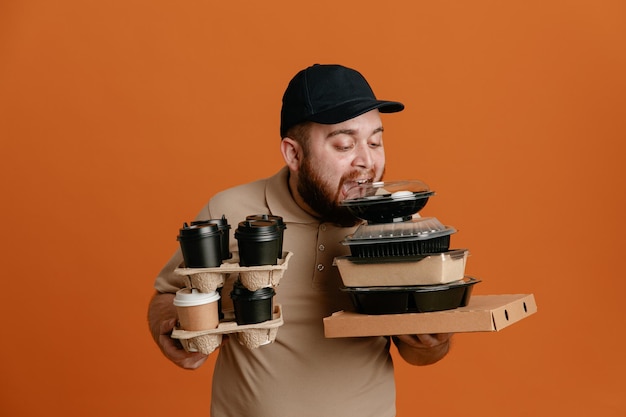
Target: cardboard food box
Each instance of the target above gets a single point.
(429, 269)
(483, 313)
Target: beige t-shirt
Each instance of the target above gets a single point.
(302, 373)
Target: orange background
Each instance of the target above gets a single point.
(118, 120)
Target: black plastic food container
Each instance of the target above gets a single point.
(252, 306)
(200, 245)
(416, 299)
(387, 202)
(399, 247)
(376, 210)
(418, 236)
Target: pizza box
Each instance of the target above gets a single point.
(483, 313)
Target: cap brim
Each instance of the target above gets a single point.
(352, 109)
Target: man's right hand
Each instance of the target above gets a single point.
(162, 319)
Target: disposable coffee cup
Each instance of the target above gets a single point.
(197, 310)
(281, 227)
(224, 227)
(252, 306)
(257, 241)
(200, 245)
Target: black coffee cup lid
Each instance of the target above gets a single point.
(196, 230)
(240, 291)
(258, 226)
(277, 219)
(221, 222)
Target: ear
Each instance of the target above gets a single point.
(292, 153)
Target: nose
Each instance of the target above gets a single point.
(363, 157)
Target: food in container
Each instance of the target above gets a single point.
(412, 299)
(439, 268)
(414, 237)
(385, 202)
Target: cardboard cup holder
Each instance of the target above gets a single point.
(249, 335)
(253, 278)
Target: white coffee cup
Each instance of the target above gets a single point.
(197, 310)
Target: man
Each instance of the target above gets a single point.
(332, 140)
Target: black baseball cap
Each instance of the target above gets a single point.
(329, 94)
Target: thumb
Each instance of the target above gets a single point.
(167, 326)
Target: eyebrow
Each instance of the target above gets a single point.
(351, 132)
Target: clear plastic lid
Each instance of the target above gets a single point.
(414, 229)
(381, 191)
(385, 202)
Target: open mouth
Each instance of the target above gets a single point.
(350, 187)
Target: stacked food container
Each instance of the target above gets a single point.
(400, 262)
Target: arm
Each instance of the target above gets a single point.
(162, 318)
(423, 349)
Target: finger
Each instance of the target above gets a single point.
(411, 340)
(432, 340)
(443, 337)
(428, 340)
(167, 326)
(177, 354)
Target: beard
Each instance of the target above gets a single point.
(324, 201)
